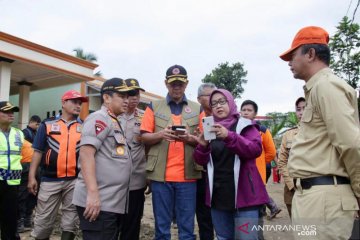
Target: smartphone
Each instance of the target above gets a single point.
(208, 122)
(178, 129)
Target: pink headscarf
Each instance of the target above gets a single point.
(233, 114)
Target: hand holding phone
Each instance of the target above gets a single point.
(178, 129)
(208, 122)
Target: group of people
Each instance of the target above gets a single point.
(99, 170)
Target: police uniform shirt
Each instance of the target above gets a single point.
(329, 137)
(131, 125)
(112, 162)
(286, 143)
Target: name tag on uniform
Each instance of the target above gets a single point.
(55, 128)
(119, 139)
(78, 128)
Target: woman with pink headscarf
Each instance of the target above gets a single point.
(235, 191)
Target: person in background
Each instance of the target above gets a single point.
(27, 201)
(56, 148)
(131, 121)
(286, 143)
(31, 128)
(235, 190)
(203, 212)
(249, 110)
(11, 142)
(324, 157)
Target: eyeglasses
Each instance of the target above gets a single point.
(221, 102)
(205, 95)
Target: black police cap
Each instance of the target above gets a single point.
(6, 106)
(115, 85)
(133, 84)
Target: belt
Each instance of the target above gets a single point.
(307, 183)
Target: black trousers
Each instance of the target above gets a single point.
(105, 227)
(26, 200)
(203, 212)
(130, 229)
(8, 210)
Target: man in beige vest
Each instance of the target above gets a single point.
(286, 142)
(170, 165)
(325, 155)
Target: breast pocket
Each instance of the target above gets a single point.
(193, 123)
(307, 115)
(136, 139)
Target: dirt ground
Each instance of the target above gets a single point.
(147, 227)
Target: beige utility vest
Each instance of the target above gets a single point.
(158, 153)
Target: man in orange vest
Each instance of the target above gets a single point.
(56, 147)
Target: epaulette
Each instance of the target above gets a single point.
(49, 119)
(291, 129)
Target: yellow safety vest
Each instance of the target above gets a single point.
(10, 156)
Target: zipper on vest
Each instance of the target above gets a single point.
(67, 150)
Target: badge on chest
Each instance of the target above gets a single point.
(55, 128)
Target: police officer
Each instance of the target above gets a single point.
(324, 158)
(11, 141)
(101, 191)
(131, 121)
(286, 142)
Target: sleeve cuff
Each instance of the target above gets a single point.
(93, 141)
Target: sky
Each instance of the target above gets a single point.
(142, 38)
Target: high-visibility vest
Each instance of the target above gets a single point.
(60, 158)
(10, 156)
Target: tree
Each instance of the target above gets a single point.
(231, 78)
(90, 57)
(278, 123)
(79, 53)
(345, 48)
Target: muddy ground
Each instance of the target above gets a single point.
(147, 227)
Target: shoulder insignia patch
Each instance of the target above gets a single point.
(99, 126)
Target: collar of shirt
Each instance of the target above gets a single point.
(128, 116)
(314, 79)
(170, 100)
(176, 108)
(68, 123)
(107, 111)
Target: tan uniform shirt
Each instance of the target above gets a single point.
(112, 162)
(131, 125)
(283, 157)
(328, 142)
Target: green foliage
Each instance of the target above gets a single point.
(79, 53)
(90, 57)
(278, 122)
(231, 78)
(345, 48)
(292, 119)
